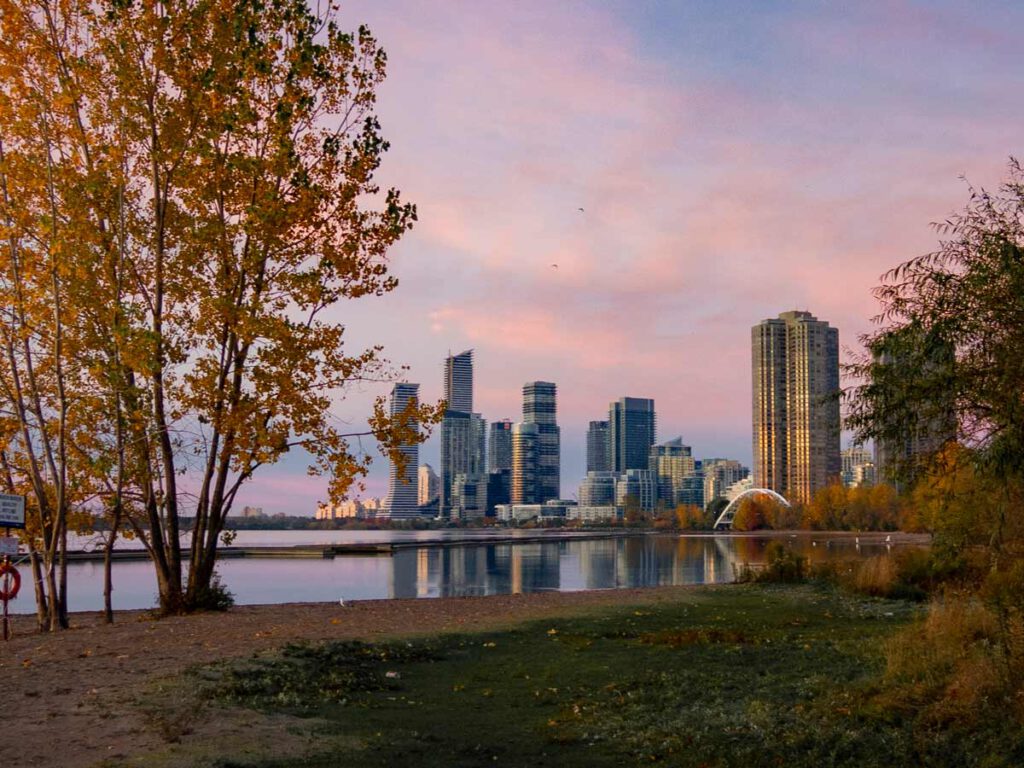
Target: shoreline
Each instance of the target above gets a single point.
(86, 683)
(330, 551)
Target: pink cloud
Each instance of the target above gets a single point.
(710, 201)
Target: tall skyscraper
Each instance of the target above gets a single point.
(632, 426)
(539, 407)
(456, 454)
(459, 440)
(597, 447)
(525, 463)
(795, 402)
(478, 444)
(458, 382)
(499, 453)
(402, 499)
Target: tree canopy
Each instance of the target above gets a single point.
(944, 364)
(188, 197)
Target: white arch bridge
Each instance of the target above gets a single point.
(724, 521)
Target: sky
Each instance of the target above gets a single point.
(733, 160)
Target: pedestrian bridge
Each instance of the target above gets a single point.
(724, 521)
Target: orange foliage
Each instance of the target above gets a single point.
(838, 508)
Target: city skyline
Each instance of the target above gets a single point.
(729, 166)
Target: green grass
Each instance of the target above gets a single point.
(744, 676)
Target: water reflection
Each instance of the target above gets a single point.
(473, 568)
(645, 561)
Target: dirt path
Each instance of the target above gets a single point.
(72, 698)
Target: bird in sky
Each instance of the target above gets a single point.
(554, 266)
(581, 210)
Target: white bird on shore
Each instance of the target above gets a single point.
(341, 602)
(888, 539)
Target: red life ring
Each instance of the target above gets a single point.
(9, 588)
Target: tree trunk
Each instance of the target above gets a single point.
(42, 615)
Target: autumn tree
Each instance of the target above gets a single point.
(692, 517)
(633, 512)
(218, 181)
(50, 403)
(863, 508)
(752, 514)
(947, 352)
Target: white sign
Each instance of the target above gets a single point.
(12, 511)
(8, 545)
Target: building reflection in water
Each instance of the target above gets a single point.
(605, 563)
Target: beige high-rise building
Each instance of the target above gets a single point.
(795, 367)
(429, 485)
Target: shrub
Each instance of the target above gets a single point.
(952, 667)
(215, 597)
(784, 566)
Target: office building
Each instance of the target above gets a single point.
(639, 486)
(795, 366)
(403, 499)
(850, 459)
(691, 492)
(671, 462)
(539, 408)
(631, 433)
(864, 475)
(597, 447)
(598, 489)
(478, 444)
(499, 452)
(719, 474)
(456, 454)
(499, 488)
(469, 497)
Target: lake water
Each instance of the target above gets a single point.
(478, 565)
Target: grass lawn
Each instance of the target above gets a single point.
(734, 676)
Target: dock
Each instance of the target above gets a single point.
(367, 549)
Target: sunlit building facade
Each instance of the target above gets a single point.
(795, 365)
(672, 462)
(429, 485)
(525, 463)
(719, 474)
